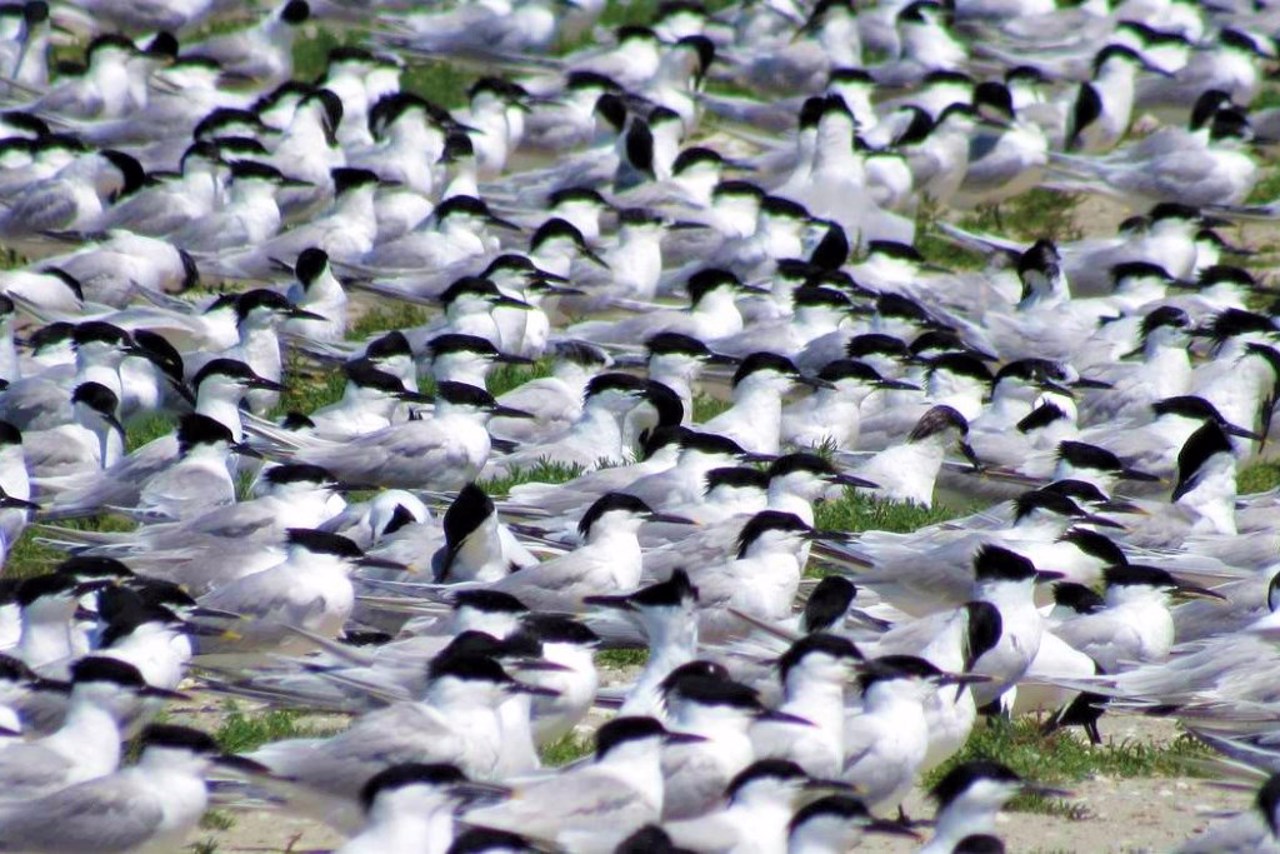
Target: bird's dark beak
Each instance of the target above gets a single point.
(1088, 382)
(499, 222)
(532, 690)
(889, 828)
(9, 502)
(1046, 575)
(511, 412)
(508, 359)
(961, 679)
(264, 384)
(1243, 433)
(1195, 591)
(414, 397)
(240, 763)
(670, 519)
(828, 536)
(380, 563)
(302, 314)
(512, 302)
(246, 450)
(1119, 505)
(561, 291)
(971, 455)
(854, 482)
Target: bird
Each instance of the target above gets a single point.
(151, 805)
(594, 806)
(759, 804)
(450, 448)
(311, 589)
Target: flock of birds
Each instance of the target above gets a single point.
(714, 203)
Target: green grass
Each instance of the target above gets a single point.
(242, 733)
(387, 315)
(504, 378)
(204, 846)
(29, 558)
(857, 511)
(438, 80)
(1258, 477)
(1267, 98)
(306, 391)
(311, 50)
(1267, 189)
(217, 820)
(706, 407)
(1030, 216)
(567, 749)
(542, 472)
(1062, 758)
(622, 658)
(938, 249)
(147, 428)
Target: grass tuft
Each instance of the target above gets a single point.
(1266, 190)
(1258, 477)
(617, 658)
(857, 511)
(29, 558)
(504, 378)
(438, 80)
(217, 820)
(306, 391)
(706, 407)
(147, 428)
(1062, 758)
(241, 732)
(938, 249)
(1037, 213)
(311, 50)
(568, 748)
(543, 472)
(384, 317)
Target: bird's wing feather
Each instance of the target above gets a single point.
(96, 816)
